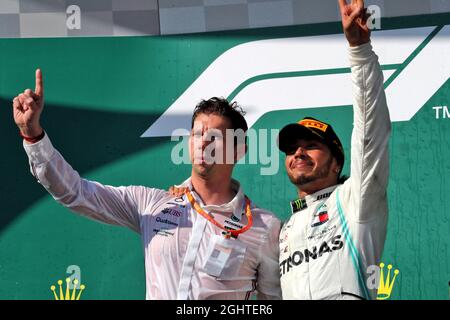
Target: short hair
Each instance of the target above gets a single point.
(221, 107)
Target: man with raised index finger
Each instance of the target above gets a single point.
(212, 242)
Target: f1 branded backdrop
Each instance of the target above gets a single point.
(103, 94)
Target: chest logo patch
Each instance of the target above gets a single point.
(321, 216)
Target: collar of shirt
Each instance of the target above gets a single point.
(303, 203)
(235, 206)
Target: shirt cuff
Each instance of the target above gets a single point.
(361, 54)
(41, 151)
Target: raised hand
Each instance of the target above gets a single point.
(27, 108)
(354, 22)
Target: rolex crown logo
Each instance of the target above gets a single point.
(386, 284)
(68, 294)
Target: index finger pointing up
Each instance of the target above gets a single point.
(342, 4)
(360, 3)
(39, 90)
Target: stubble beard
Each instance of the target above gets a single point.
(306, 178)
(202, 170)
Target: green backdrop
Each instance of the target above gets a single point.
(101, 95)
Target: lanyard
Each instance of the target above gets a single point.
(189, 259)
(208, 217)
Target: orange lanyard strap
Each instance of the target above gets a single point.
(207, 216)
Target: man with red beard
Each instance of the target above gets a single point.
(338, 225)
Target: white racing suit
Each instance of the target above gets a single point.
(176, 239)
(336, 233)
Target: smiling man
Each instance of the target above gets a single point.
(338, 225)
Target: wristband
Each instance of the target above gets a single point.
(32, 139)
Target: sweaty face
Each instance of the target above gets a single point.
(207, 142)
(309, 161)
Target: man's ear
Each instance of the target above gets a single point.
(336, 166)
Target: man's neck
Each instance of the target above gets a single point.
(213, 191)
(304, 191)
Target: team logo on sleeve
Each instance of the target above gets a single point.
(321, 216)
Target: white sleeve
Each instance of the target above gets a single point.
(268, 283)
(108, 204)
(365, 190)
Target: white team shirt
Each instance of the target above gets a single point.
(166, 227)
(336, 233)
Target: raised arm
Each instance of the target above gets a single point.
(27, 109)
(366, 188)
(113, 205)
